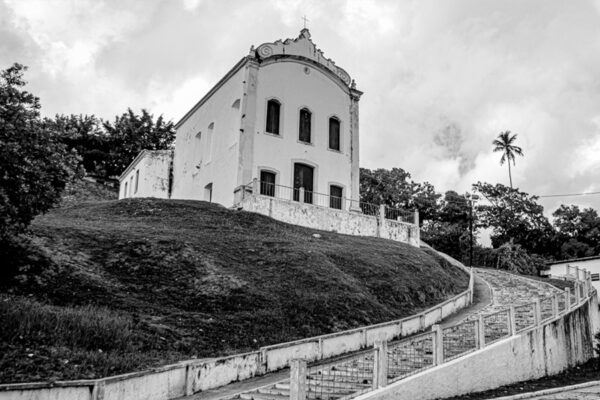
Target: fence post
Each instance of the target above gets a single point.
(382, 212)
(98, 390)
(481, 332)
(577, 273)
(567, 270)
(190, 376)
(537, 311)
(555, 305)
(512, 321)
(577, 293)
(298, 379)
(301, 195)
(567, 299)
(438, 344)
(380, 364)
(416, 218)
(255, 187)
(471, 284)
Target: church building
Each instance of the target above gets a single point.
(284, 116)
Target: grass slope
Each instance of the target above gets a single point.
(138, 283)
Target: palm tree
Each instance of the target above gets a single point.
(504, 143)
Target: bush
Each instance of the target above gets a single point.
(34, 166)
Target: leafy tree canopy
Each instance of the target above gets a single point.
(131, 133)
(578, 231)
(107, 148)
(34, 165)
(514, 216)
(394, 188)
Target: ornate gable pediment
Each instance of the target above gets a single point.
(302, 46)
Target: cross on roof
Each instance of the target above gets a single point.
(305, 21)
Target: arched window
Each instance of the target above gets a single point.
(304, 127)
(334, 133)
(209, 142)
(125, 191)
(273, 109)
(236, 104)
(137, 180)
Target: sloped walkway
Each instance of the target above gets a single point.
(584, 391)
(494, 290)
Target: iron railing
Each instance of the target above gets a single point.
(306, 196)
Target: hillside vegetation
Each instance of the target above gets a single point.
(109, 287)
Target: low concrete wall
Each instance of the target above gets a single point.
(329, 219)
(189, 377)
(546, 350)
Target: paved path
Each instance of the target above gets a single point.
(584, 391)
(348, 377)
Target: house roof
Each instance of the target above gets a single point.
(574, 260)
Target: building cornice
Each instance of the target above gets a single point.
(303, 47)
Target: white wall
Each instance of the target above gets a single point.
(151, 171)
(592, 266)
(286, 81)
(199, 162)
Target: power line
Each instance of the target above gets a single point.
(570, 194)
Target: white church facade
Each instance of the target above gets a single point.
(284, 115)
(277, 135)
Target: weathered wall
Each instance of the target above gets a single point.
(547, 350)
(329, 219)
(204, 155)
(151, 170)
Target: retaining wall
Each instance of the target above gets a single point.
(189, 377)
(545, 350)
(330, 219)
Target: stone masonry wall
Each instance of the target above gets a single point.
(329, 219)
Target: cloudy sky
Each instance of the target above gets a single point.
(441, 78)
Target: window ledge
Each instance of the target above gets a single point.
(335, 151)
(305, 143)
(277, 135)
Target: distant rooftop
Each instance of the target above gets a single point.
(574, 260)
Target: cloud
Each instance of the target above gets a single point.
(441, 79)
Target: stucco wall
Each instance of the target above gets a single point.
(329, 219)
(152, 171)
(287, 81)
(547, 350)
(213, 157)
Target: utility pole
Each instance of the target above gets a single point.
(471, 199)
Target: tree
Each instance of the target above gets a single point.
(504, 143)
(395, 189)
(34, 166)
(578, 231)
(131, 133)
(514, 216)
(449, 231)
(85, 135)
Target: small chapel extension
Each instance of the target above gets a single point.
(277, 135)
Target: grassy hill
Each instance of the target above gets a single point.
(113, 286)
